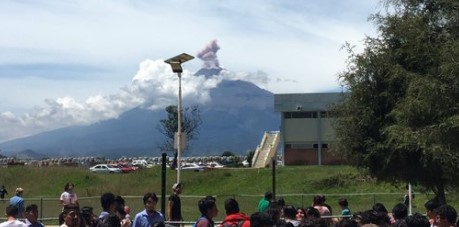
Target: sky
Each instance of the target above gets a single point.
(76, 62)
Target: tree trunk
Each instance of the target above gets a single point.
(440, 193)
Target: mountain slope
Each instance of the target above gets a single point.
(234, 120)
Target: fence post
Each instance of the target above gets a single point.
(374, 199)
(41, 208)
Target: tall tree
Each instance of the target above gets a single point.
(400, 117)
(191, 121)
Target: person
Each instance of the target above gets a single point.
(18, 202)
(290, 215)
(264, 202)
(87, 216)
(11, 218)
(311, 213)
(69, 196)
(431, 207)
(3, 192)
(406, 197)
(417, 220)
(260, 219)
(324, 199)
(233, 215)
(208, 208)
(318, 203)
(446, 216)
(149, 216)
(70, 216)
(107, 201)
(125, 220)
(31, 214)
(300, 213)
(344, 204)
(399, 213)
(174, 208)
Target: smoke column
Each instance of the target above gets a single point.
(209, 55)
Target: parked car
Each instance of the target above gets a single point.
(215, 165)
(125, 168)
(141, 164)
(104, 168)
(194, 167)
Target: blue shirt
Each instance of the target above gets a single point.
(142, 219)
(18, 202)
(38, 224)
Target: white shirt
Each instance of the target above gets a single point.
(68, 198)
(13, 223)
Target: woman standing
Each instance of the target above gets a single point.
(69, 196)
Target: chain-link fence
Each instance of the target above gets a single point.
(50, 209)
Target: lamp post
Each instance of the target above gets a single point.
(176, 65)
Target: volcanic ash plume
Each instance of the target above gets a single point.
(209, 55)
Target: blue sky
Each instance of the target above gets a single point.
(65, 62)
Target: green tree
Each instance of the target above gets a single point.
(191, 121)
(400, 117)
(250, 155)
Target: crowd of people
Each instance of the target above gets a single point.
(270, 213)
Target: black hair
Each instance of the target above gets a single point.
(231, 206)
(106, 200)
(205, 204)
(318, 200)
(66, 187)
(31, 207)
(11, 211)
(431, 205)
(311, 212)
(268, 195)
(346, 222)
(448, 212)
(379, 207)
(343, 202)
(417, 220)
(149, 195)
(400, 211)
(119, 202)
(260, 219)
(289, 212)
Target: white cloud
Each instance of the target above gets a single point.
(289, 46)
(154, 86)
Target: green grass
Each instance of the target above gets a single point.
(296, 185)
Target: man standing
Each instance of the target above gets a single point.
(264, 202)
(107, 201)
(233, 215)
(11, 215)
(174, 210)
(31, 214)
(18, 202)
(3, 191)
(149, 216)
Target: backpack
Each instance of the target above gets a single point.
(229, 224)
(102, 222)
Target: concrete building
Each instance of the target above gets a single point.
(306, 129)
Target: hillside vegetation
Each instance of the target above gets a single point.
(296, 185)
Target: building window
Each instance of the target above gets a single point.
(298, 146)
(306, 114)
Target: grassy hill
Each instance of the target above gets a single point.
(297, 185)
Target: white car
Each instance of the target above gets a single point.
(215, 165)
(104, 168)
(193, 166)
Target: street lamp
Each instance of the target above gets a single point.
(176, 65)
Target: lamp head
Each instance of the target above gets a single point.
(176, 62)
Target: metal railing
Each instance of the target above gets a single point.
(49, 208)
